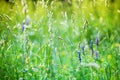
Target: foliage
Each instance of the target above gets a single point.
(60, 40)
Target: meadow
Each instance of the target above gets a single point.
(59, 40)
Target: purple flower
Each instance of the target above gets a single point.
(79, 56)
(91, 44)
(96, 54)
(83, 49)
(23, 27)
(97, 42)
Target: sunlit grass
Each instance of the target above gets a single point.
(59, 40)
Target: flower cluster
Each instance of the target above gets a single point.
(25, 23)
(94, 52)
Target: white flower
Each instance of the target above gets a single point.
(91, 65)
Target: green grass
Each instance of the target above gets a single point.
(47, 48)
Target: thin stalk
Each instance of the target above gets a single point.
(91, 73)
(24, 50)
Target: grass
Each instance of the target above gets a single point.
(57, 40)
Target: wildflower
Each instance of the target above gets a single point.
(64, 66)
(95, 65)
(97, 42)
(118, 11)
(23, 27)
(96, 54)
(83, 49)
(117, 45)
(109, 57)
(102, 59)
(79, 56)
(91, 64)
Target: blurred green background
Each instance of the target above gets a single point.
(47, 47)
